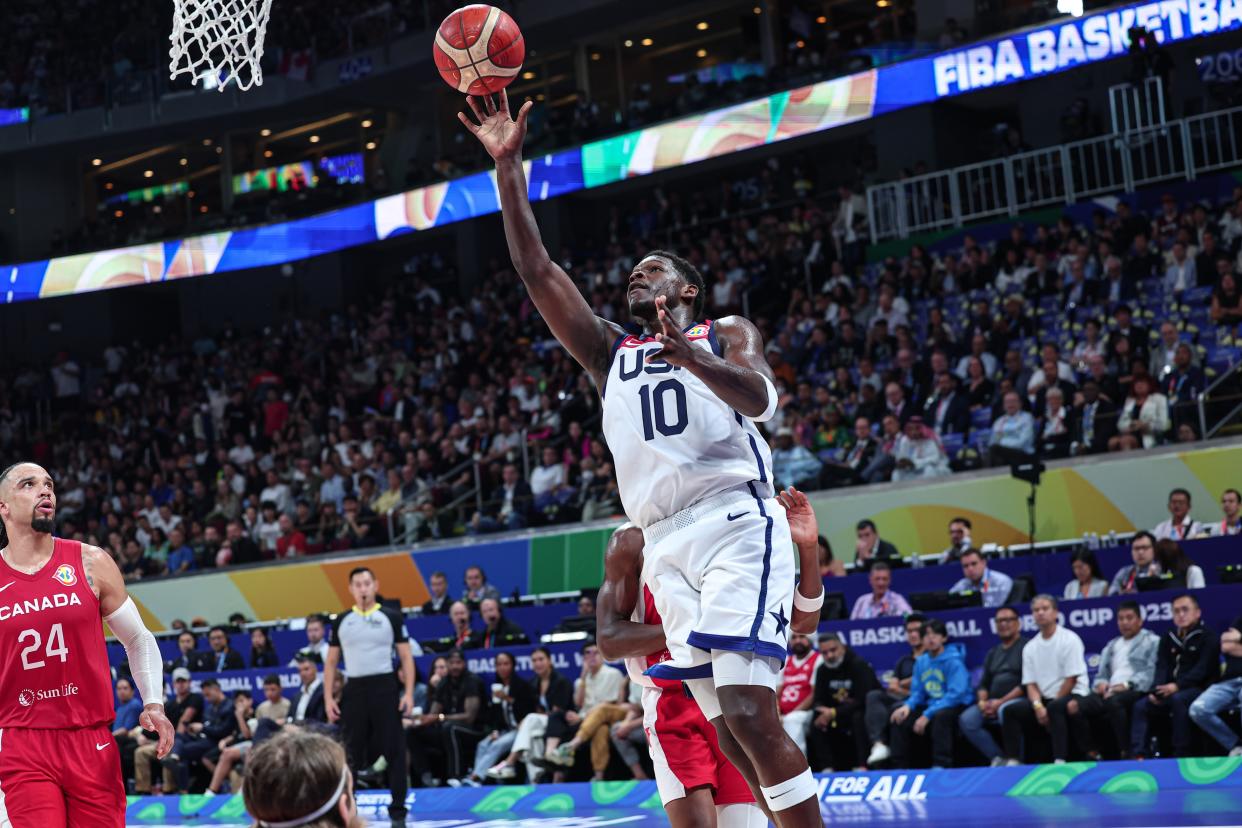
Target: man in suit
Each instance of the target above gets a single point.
(308, 707)
(946, 410)
(498, 630)
(222, 656)
(1205, 259)
(1051, 379)
(1116, 288)
(187, 656)
(869, 546)
(897, 404)
(508, 507)
(1079, 291)
(1095, 420)
(1143, 262)
(849, 471)
(1180, 275)
(1140, 339)
(440, 600)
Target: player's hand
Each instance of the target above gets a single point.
(803, 527)
(677, 349)
(406, 705)
(153, 718)
(499, 133)
(332, 709)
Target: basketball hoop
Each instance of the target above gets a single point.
(219, 39)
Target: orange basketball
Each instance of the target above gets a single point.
(479, 49)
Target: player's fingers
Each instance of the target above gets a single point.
(489, 104)
(474, 107)
(523, 112)
(470, 125)
(504, 101)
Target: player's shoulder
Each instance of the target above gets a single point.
(627, 539)
(733, 326)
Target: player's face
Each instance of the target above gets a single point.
(29, 492)
(653, 276)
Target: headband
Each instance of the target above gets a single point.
(317, 813)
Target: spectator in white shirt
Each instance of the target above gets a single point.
(1181, 273)
(549, 476)
(241, 454)
(1054, 672)
(1180, 526)
(1231, 510)
(277, 492)
(918, 453)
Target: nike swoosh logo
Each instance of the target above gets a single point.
(101, 747)
(738, 515)
(6, 586)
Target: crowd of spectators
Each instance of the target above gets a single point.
(1151, 695)
(321, 434)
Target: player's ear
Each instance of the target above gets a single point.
(688, 293)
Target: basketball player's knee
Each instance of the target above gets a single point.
(749, 714)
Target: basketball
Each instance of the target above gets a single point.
(479, 49)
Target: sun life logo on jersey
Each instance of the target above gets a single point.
(65, 574)
(26, 698)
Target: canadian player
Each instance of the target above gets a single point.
(680, 402)
(58, 762)
(704, 778)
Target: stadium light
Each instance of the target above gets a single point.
(701, 26)
(95, 162)
(366, 124)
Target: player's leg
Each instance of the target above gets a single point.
(747, 596)
(737, 782)
(90, 778)
(694, 810)
(740, 815)
(30, 797)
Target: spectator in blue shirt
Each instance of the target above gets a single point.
(1013, 433)
(995, 586)
(181, 557)
(939, 692)
(793, 465)
(125, 725)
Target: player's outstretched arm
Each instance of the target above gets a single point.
(618, 636)
(584, 335)
(804, 529)
(121, 615)
(740, 376)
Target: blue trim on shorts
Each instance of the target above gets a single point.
(664, 670)
(737, 644)
(767, 565)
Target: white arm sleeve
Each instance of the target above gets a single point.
(145, 663)
(772, 399)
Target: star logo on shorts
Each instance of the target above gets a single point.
(781, 621)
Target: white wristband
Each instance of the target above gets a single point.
(808, 604)
(773, 398)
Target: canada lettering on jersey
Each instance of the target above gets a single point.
(31, 605)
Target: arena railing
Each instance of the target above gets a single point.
(1063, 174)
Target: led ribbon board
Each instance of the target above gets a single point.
(822, 106)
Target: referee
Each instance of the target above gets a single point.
(370, 709)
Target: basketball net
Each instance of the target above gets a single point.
(220, 40)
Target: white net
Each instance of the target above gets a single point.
(220, 40)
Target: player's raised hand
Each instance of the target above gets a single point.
(677, 349)
(803, 527)
(153, 718)
(499, 133)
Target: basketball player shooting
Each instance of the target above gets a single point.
(58, 762)
(680, 401)
(703, 776)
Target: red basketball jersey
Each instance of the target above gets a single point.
(645, 613)
(797, 684)
(55, 670)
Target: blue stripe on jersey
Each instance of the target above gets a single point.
(664, 670)
(612, 354)
(767, 565)
(711, 339)
(754, 447)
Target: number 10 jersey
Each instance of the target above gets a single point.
(673, 441)
(55, 671)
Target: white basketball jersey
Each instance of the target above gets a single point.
(673, 441)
